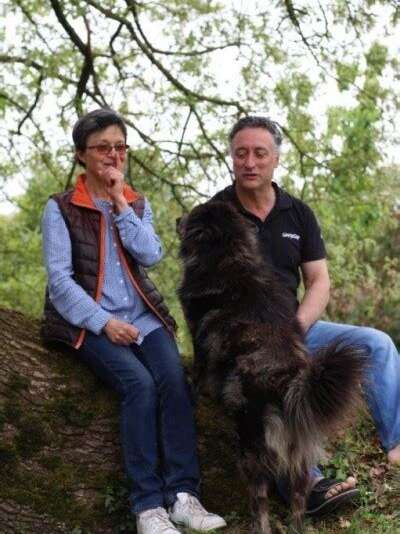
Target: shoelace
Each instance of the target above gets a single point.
(159, 519)
(195, 507)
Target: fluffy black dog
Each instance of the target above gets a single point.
(249, 353)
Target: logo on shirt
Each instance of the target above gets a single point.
(290, 236)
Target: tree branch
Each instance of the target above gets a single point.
(207, 50)
(189, 93)
(220, 155)
(28, 114)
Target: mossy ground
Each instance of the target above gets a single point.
(34, 472)
(355, 451)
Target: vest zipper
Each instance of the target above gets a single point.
(100, 277)
(136, 285)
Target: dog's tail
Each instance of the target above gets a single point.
(327, 391)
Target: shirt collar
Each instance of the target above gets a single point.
(82, 197)
(283, 200)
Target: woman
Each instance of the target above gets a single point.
(96, 240)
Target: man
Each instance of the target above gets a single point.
(291, 242)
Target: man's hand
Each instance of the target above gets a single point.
(120, 332)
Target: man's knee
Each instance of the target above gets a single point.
(377, 342)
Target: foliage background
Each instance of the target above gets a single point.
(181, 72)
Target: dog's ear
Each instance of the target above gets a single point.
(181, 225)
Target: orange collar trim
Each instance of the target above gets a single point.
(82, 197)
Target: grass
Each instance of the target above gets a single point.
(355, 452)
(35, 474)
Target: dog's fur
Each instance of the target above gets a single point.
(249, 352)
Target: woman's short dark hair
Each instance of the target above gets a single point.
(93, 122)
(255, 121)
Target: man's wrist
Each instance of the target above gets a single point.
(303, 322)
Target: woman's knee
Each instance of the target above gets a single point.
(140, 386)
(174, 384)
(174, 379)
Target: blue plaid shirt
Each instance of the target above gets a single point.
(119, 297)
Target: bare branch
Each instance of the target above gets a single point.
(183, 132)
(321, 7)
(68, 28)
(34, 24)
(301, 152)
(293, 18)
(296, 23)
(207, 50)
(88, 69)
(28, 114)
(44, 157)
(220, 155)
(113, 52)
(70, 175)
(5, 58)
(173, 185)
(189, 93)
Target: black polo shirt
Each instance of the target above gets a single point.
(289, 236)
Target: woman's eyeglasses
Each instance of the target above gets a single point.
(104, 149)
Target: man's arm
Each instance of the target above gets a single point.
(316, 282)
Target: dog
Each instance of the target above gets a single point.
(249, 353)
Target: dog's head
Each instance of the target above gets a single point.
(213, 229)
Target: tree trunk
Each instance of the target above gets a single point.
(60, 459)
(59, 444)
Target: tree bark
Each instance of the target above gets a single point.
(59, 443)
(61, 466)
(60, 459)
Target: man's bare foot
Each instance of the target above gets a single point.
(327, 495)
(394, 456)
(347, 484)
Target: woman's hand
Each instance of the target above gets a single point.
(120, 332)
(114, 180)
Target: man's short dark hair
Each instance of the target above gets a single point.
(255, 121)
(93, 122)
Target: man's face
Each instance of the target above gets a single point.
(255, 157)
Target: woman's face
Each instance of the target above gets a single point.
(96, 156)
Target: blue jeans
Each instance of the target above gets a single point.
(156, 418)
(382, 387)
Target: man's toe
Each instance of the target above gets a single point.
(341, 487)
(320, 500)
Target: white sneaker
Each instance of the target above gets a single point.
(154, 521)
(188, 511)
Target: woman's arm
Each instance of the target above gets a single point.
(138, 235)
(68, 297)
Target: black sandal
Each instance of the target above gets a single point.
(318, 504)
